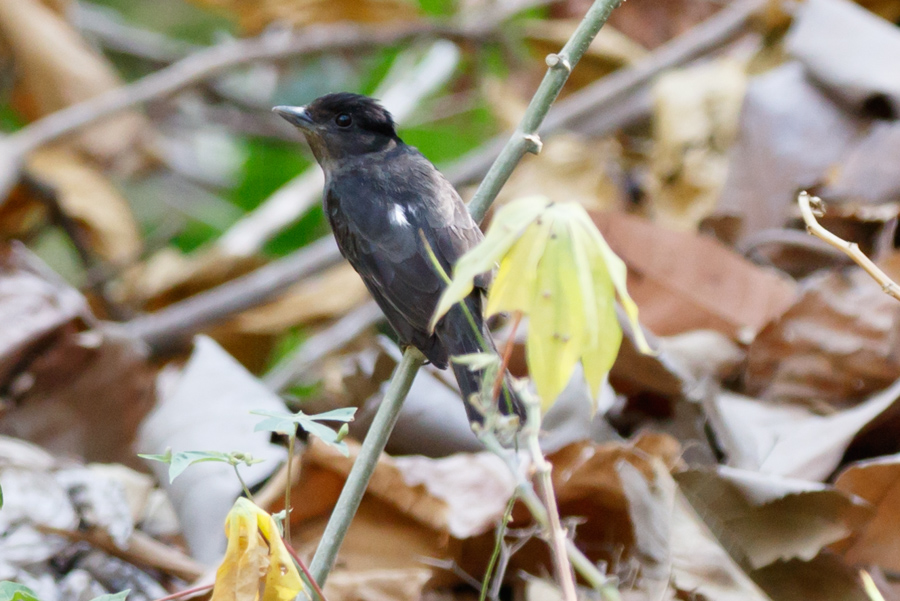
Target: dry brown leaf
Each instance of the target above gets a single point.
(837, 344)
(888, 9)
(695, 121)
(328, 294)
(256, 15)
(790, 135)
(35, 306)
(878, 482)
(586, 478)
(683, 281)
(462, 495)
(824, 578)
(790, 440)
(865, 174)
(762, 519)
(570, 168)
(76, 392)
(850, 52)
(86, 196)
(405, 584)
(56, 68)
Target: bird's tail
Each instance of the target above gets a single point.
(458, 336)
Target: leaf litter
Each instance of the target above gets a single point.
(752, 457)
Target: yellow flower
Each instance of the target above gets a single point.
(256, 559)
(556, 268)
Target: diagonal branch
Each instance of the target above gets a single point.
(522, 141)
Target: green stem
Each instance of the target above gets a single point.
(523, 140)
(498, 543)
(287, 489)
(243, 484)
(362, 469)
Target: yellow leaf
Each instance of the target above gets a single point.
(509, 224)
(255, 560)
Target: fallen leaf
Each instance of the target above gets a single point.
(793, 133)
(878, 482)
(864, 175)
(57, 68)
(86, 196)
(683, 281)
(790, 440)
(462, 495)
(837, 344)
(850, 52)
(762, 519)
(824, 578)
(35, 304)
(695, 121)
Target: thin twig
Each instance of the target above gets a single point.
(305, 570)
(187, 591)
(560, 66)
(525, 490)
(172, 326)
(507, 354)
(809, 205)
(498, 545)
(556, 532)
(292, 439)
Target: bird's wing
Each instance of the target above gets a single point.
(378, 214)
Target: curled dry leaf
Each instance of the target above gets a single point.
(790, 440)
(793, 133)
(56, 68)
(695, 121)
(257, 15)
(86, 196)
(588, 484)
(675, 548)
(78, 392)
(837, 344)
(683, 281)
(878, 482)
(849, 51)
(762, 519)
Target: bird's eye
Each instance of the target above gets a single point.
(343, 120)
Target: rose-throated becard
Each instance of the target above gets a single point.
(381, 198)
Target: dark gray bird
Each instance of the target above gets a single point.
(382, 197)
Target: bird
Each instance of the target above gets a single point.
(390, 210)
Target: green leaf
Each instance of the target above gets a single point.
(286, 423)
(10, 591)
(178, 462)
